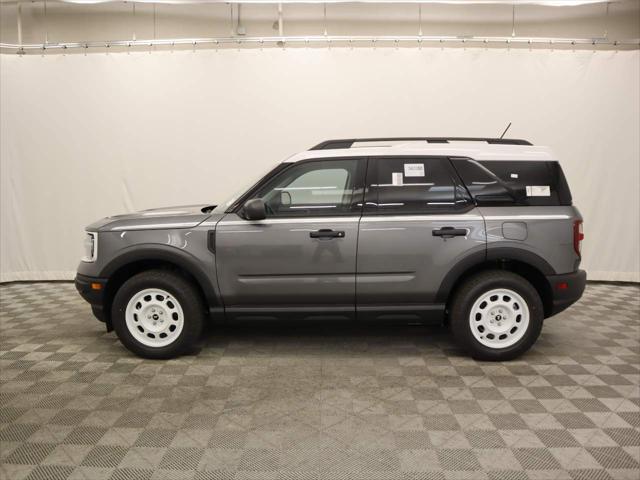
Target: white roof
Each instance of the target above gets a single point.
(478, 150)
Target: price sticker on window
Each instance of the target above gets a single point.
(396, 178)
(414, 169)
(538, 191)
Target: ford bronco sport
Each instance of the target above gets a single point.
(479, 234)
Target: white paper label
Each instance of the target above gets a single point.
(514, 175)
(414, 169)
(396, 178)
(538, 191)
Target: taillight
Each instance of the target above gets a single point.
(578, 236)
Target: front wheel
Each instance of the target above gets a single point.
(496, 315)
(158, 314)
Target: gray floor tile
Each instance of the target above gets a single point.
(317, 402)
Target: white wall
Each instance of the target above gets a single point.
(85, 136)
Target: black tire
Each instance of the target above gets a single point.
(471, 290)
(188, 298)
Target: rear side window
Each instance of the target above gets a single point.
(540, 183)
(413, 185)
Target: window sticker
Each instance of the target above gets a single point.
(514, 175)
(538, 191)
(396, 178)
(414, 169)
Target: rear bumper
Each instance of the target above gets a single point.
(566, 289)
(95, 297)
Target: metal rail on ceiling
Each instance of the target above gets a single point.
(326, 39)
(547, 3)
(281, 39)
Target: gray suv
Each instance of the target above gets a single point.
(476, 233)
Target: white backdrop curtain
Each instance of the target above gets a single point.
(86, 136)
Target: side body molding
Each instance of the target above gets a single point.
(184, 260)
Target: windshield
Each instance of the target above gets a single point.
(222, 207)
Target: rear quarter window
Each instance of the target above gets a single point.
(542, 182)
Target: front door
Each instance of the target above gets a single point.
(418, 223)
(302, 257)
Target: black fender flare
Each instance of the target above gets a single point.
(521, 255)
(492, 254)
(151, 252)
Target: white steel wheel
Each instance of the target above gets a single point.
(499, 318)
(154, 317)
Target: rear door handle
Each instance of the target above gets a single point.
(449, 232)
(327, 233)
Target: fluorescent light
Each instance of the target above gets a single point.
(552, 3)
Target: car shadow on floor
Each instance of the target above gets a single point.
(330, 335)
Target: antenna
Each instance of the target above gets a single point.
(505, 130)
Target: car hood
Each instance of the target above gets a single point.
(186, 216)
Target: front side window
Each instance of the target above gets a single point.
(315, 188)
(413, 185)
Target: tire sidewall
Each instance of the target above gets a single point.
(181, 291)
(476, 289)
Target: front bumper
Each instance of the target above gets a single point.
(566, 289)
(96, 297)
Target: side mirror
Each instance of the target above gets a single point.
(254, 209)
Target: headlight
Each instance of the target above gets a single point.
(90, 247)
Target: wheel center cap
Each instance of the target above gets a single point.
(500, 319)
(153, 318)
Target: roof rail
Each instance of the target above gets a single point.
(348, 142)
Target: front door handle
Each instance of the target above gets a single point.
(450, 232)
(327, 233)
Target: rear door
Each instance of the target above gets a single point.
(417, 224)
(302, 257)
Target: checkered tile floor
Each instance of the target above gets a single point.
(317, 402)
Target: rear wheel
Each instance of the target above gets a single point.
(158, 314)
(496, 315)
